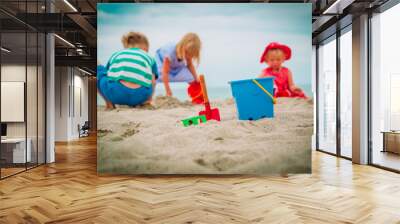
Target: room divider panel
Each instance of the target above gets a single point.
(22, 77)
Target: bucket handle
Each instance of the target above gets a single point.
(263, 89)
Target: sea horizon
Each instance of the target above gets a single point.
(179, 90)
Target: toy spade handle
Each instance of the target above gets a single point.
(203, 88)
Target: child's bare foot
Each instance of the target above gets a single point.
(147, 105)
(149, 101)
(284, 174)
(110, 106)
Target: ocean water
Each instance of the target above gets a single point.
(179, 90)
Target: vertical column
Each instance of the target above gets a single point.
(314, 92)
(92, 102)
(1, 163)
(338, 91)
(50, 92)
(360, 89)
(316, 100)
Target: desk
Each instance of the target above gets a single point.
(391, 141)
(13, 150)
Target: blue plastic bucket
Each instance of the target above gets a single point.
(252, 102)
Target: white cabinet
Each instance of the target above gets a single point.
(17, 145)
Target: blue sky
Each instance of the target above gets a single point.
(233, 35)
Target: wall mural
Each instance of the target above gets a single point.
(204, 88)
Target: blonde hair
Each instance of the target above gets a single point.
(189, 43)
(134, 39)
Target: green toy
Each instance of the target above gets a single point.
(194, 120)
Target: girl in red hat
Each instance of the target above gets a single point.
(274, 55)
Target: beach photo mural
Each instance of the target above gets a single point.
(204, 88)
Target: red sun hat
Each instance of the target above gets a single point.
(275, 45)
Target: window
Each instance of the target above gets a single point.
(346, 94)
(23, 77)
(327, 96)
(385, 89)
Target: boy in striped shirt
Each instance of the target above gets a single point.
(129, 76)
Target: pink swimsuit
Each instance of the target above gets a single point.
(282, 83)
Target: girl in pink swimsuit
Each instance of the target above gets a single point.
(274, 55)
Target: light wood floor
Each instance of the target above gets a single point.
(387, 159)
(70, 191)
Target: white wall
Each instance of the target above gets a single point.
(33, 127)
(12, 73)
(80, 110)
(70, 84)
(62, 81)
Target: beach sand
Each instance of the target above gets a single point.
(152, 140)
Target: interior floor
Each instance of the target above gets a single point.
(5, 172)
(11, 169)
(386, 159)
(70, 191)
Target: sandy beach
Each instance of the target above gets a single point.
(152, 140)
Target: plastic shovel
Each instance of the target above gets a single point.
(210, 113)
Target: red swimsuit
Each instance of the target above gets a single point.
(282, 83)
